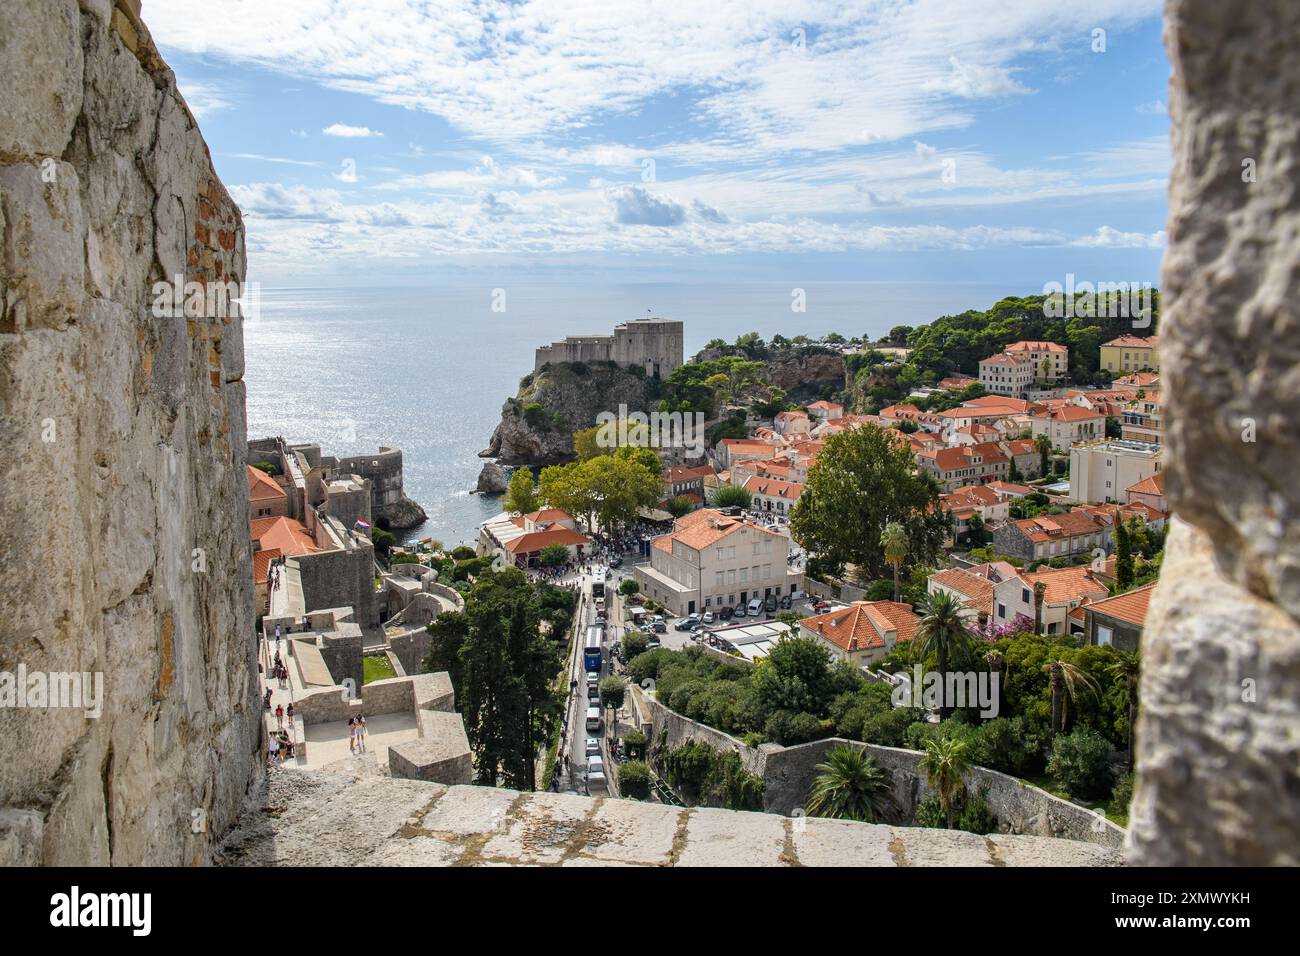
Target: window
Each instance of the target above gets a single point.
(1024, 595)
(1002, 610)
(1051, 628)
(1104, 636)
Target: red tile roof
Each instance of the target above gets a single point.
(1027, 346)
(863, 625)
(537, 540)
(1133, 342)
(289, 535)
(1071, 524)
(262, 487)
(1130, 606)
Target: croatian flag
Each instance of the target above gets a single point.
(362, 525)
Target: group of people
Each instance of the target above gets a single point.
(357, 734)
(280, 748)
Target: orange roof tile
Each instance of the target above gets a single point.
(1130, 606)
(864, 624)
(289, 535)
(1066, 584)
(262, 487)
(537, 540)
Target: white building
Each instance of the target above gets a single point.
(1103, 471)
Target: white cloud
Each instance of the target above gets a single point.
(203, 98)
(1107, 238)
(350, 132)
(1154, 108)
(636, 206)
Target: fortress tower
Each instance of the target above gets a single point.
(652, 344)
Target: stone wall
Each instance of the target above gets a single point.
(124, 431)
(1218, 752)
(787, 774)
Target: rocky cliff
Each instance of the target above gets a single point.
(537, 425)
(124, 513)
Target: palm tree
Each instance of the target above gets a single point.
(1067, 679)
(945, 763)
(1128, 666)
(1040, 592)
(849, 786)
(894, 540)
(942, 632)
(995, 661)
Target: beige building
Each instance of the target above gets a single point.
(1050, 360)
(1130, 353)
(1006, 374)
(1066, 424)
(712, 560)
(1103, 471)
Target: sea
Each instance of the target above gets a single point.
(426, 369)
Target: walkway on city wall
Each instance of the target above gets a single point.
(347, 815)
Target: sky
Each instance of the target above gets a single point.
(878, 140)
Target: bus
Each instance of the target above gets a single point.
(592, 651)
(598, 584)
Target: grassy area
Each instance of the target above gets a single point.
(376, 667)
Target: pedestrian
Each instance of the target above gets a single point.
(279, 716)
(273, 751)
(352, 734)
(361, 732)
(289, 713)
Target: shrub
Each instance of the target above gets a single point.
(634, 779)
(1011, 745)
(634, 741)
(628, 587)
(1121, 797)
(889, 729)
(462, 553)
(634, 644)
(1080, 763)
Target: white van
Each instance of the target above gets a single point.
(755, 607)
(593, 719)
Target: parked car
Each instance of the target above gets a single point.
(770, 604)
(786, 602)
(725, 614)
(688, 622)
(660, 627)
(707, 618)
(593, 746)
(652, 643)
(821, 606)
(739, 610)
(755, 607)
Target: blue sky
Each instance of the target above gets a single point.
(380, 140)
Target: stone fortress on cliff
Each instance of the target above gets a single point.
(652, 344)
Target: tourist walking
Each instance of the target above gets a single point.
(273, 752)
(352, 734)
(361, 733)
(279, 716)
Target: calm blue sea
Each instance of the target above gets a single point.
(426, 369)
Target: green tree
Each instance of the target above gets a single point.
(894, 542)
(634, 643)
(634, 779)
(520, 496)
(862, 480)
(1067, 680)
(733, 496)
(501, 668)
(1127, 667)
(628, 587)
(945, 763)
(553, 555)
(943, 634)
(849, 786)
(680, 506)
(1123, 555)
(1080, 763)
(1044, 445)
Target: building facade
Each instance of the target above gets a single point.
(654, 345)
(1103, 471)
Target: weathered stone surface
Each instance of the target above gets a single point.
(346, 814)
(124, 550)
(40, 76)
(1219, 775)
(492, 479)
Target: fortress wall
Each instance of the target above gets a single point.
(126, 434)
